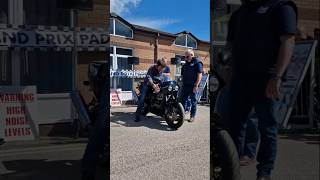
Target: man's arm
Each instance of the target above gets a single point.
(149, 77)
(199, 77)
(285, 53)
(287, 26)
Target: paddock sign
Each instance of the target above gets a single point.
(18, 110)
(53, 37)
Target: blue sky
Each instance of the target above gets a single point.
(167, 15)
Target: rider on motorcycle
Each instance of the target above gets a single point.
(153, 71)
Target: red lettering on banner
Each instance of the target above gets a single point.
(16, 110)
(14, 121)
(9, 132)
(16, 97)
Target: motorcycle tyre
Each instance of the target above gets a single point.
(229, 158)
(180, 121)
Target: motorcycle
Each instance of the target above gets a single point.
(165, 102)
(224, 156)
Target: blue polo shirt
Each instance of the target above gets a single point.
(190, 71)
(254, 32)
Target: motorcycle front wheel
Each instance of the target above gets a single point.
(225, 158)
(175, 116)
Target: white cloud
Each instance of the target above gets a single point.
(123, 6)
(153, 23)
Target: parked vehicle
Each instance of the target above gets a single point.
(224, 156)
(165, 102)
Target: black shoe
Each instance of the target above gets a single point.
(191, 119)
(87, 176)
(264, 178)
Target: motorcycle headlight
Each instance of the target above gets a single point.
(176, 88)
(170, 88)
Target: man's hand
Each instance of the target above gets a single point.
(273, 89)
(195, 89)
(156, 88)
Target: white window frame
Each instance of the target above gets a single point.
(114, 28)
(186, 42)
(115, 56)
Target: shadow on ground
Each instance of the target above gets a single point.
(47, 170)
(127, 119)
(306, 138)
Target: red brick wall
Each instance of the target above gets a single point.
(97, 18)
(309, 14)
(143, 45)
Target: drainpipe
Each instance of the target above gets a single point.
(156, 47)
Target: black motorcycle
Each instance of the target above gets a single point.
(224, 156)
(165, 102)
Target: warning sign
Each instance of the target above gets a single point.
(18, 110)
(115, 98)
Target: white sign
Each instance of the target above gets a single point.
(115, 98)
(128, 73)
(51, 38)
(18, 113)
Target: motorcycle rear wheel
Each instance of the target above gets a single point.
(175, 116)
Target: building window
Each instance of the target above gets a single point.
(5, 68)
(117, 28)
(119, 61)
(4, 11)
(186, 40)
(50, 71)
(46, 13)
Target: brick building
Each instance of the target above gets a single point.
(148, 45)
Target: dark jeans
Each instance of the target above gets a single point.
(187, 92)
(250, 136)
(188, 105)
(246, 93)
(249, 131)
(143, 93)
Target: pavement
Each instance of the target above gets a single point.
(150, 150)
(297, 159)
(54, 158)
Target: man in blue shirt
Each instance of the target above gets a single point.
(154, 70)
(191, 76)
(261, 39)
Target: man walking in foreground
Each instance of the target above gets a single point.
(191, 76)
(261, 38)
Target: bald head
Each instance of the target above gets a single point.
(189, 54)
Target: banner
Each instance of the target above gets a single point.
(53, 37)
(202, 85)
(296, 72)
(128, 73)
(18, 109)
